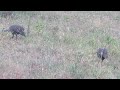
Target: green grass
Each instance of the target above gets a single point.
(39, 27)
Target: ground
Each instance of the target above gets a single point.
(61, 45)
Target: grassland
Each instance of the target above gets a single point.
(61, 45)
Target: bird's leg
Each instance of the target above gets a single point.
(98, 62)
(101, 62)
(16, 36)
(12, 36)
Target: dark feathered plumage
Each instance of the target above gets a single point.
(102, 53)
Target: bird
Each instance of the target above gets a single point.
(102, 53)
(15, 30)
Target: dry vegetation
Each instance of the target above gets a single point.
(61, 45)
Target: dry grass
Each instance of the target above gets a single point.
(61, 45)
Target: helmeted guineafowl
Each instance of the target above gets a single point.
(15, 30)
(102, 53)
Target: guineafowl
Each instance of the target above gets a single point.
(102, 53)
(15, 30)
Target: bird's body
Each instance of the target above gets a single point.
(102, 53)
